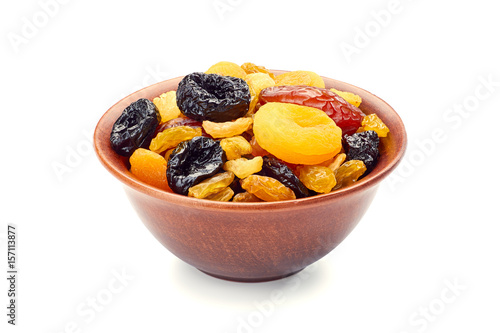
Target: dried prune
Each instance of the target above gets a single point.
(192, 162)
(135, 127)
(274, 168)
(363, 146)
(345, 115)
(213, 97)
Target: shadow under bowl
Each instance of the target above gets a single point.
(252, 242)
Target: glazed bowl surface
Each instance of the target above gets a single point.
(252, 241)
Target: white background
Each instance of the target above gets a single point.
(428, 244)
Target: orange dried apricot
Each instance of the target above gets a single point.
(317, 178)
(243, 167)
(300, 78)
(166, 104)
(227, 68)
(349, 97)
(228, 128)
(267, 188)
(372, 122)
(297, 134)
(211, 185)
(171, 137)
(150, 168)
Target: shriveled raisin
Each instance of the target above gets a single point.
(274, 168)
(211, 185)
(171, 137)
(225, 195)
(235, 147)
(317, 178)
(213, 97)
(373, 123)
(192, 162)
(348, 173)
(135, 127)
(363, 146)
(251, 68)
(243, 167)
(245, 197)
(228, 128)
(296, 78)
(167, 106)
(267, 188)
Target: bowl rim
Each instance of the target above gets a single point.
(101, 145)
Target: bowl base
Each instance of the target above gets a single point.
(250, 280)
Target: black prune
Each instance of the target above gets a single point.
(135, 127)
(213, 97)
(363, 146)
(193, 161)
(274, 168)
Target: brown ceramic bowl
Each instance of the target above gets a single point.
(252, 241)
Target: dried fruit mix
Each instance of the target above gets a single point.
(242, 134)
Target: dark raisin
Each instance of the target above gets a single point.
(135, 127)
(363, 146)
(274, 168)
(213, 97)
(193, 161)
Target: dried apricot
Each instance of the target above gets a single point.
(235, 147)
(250, 68)
(317, 178)
(171, 137)
(227, 68)
(211, 185)
(243, 167)
(267, 188)
(300, 78)
(228, 128)
(349, 97)
(297, 134)
(150, 168)
(373, 123)
(348, 173)
(167, 106)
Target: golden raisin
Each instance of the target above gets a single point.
(250, 68)
(372, 122)
(297, 134)
(267, 188)
(245, 197)
(235, 147)
(225, 195)
(167, 106)
(348, 173)
(337, 162)
(171, 137)
(243, 167)
(300, 78)
(348, 97)
(257, 82)
(317, 178)
(211, 185)
(150, 168)
(227, 68)
(228, 128)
